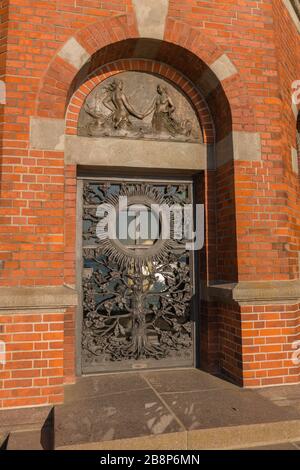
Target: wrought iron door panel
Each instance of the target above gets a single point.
(137, 295)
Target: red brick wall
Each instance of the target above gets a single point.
(3, 36)
(274, 228)
(230, 341)
(254, 346)
(250, 35)
(298, 142)
(254, 54)
(268, 334)
(288, 52)
(32, 45)
(33, 373)
(34, 205)
(32, 191)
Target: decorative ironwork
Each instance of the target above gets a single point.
(159, 111)
(136, 298)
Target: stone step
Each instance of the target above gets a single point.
(27, 429)
(3, 440)
(278, 446)
(30, 439)
(222, 438)
(175, 409)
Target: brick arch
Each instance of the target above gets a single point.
(119, 37)
(202, 46)
(54, 88)
(298, 141)
(123, 65)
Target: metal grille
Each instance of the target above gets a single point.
(137, 294)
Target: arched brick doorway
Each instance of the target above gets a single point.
(131, 164)
(214, 179)
(209, 71)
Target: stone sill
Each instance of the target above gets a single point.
(276, 292)
(20, 298)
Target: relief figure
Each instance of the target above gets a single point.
(121, 110)
(163, 118)
(117, 102)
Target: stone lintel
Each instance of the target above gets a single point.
(256, 293)
(130, 153)
(36, 298)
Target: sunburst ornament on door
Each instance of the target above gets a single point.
(136, 199)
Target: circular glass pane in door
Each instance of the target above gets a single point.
(138, 227)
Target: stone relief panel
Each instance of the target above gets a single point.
(139, 105)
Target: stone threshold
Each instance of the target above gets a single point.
(224, 438)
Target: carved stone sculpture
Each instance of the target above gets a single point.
(163, 119)
(117, 102)
(159, 111)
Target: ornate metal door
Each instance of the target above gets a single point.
(137, 291)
